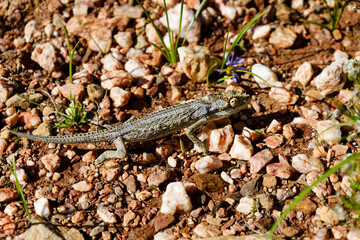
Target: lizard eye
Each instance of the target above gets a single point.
(234, 102)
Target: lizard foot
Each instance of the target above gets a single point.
(108, 155)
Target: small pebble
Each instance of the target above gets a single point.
(175, 199)
(208, 164)
(42, 207)
(242, 148)
(246, 205)
(83, 186)
(266, 74)
(106, 215)
(304, 163)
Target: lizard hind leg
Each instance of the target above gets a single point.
(120, 152)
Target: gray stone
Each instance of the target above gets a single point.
(196, 61)
(96, 230)
(252, 187)
(158, 175)
(266, 201)
(131, 183)
(44, 230)
(95, 92)
(44, 129)
(18, 101)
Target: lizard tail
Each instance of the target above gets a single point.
(96, 136)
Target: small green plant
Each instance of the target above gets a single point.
(76, 114)
(229, 62)
(75, 117)
(171, 54)
(334, 16)
(71, 52)
(18, 188)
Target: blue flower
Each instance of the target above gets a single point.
(231, 67)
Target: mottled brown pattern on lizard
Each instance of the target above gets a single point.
(189, 115)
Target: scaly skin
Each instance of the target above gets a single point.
(189, 115)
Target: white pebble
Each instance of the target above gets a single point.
(304, 73)
(354, 234)
(339, 55)
(283, 95)
(106, 215)
(226, 177)
(331, 79)
(29, 30)
(220, 139)
(3, 145)
(84, 201)
(304, 163)
(297, 4)
(42, 207)
(110, 63)
(175, 199)
(119, 96)
(331, 136)
(124, 39)
(260, 160)
(246, 205)
(136, 68)
(208, 164)
(83, 186)
(327, 215)
(5, 92)
(164, 236)
(21, 176)
(261, 32)
(172, 161)
(187, 16)
(241, 148)
(322, 189)
(10, 209)
(265, 73)
(204, 230)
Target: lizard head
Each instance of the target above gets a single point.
(230, 102)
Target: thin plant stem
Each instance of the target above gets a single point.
(240, 36)
(98, 46)
(193, 20)
(165, 52)
(19, 189)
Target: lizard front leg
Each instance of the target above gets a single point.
(190, 134)
(119, 153)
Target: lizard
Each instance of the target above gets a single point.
(189, 116)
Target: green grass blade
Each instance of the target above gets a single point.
(340, 15)
(193, 20)
(329, 12)
(98, 46)
(241, 34)
(19, 189)
(208, 74)
(179, 32)
(319, 24)
(69, 51)
(166, 50)
(308, 189)
(224, 51)
(162, 51)
(251, 73)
